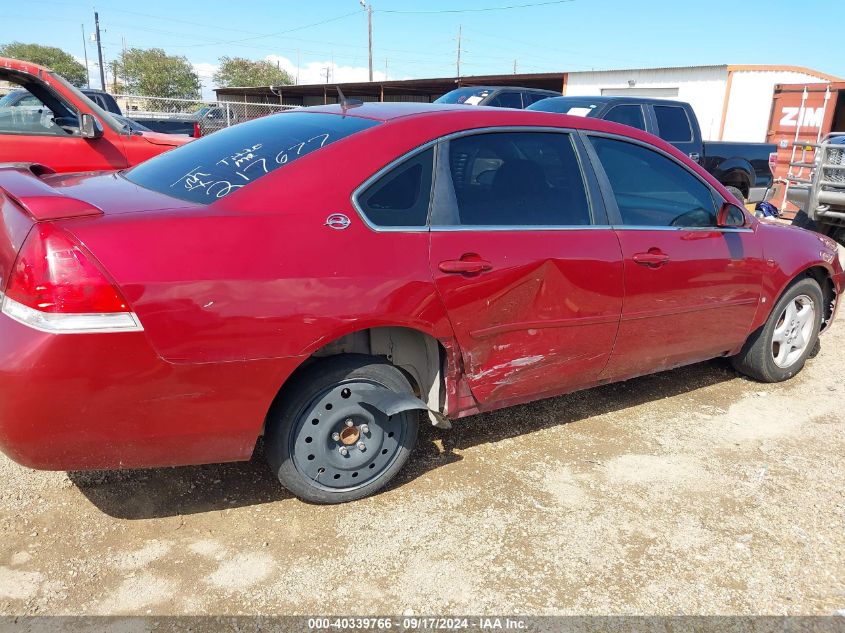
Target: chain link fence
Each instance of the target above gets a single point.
(192, 117)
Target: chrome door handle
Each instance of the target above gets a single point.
(653, 259)
(464, 266)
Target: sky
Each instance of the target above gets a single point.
(416, 39)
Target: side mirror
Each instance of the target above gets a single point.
(90, 127)
(730, 216)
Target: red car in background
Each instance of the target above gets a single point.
(321, 276)
(58, 127)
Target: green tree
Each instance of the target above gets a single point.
(154, 73)
(242, 73)
(50, 56)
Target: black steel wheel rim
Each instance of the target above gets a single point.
(372, 442)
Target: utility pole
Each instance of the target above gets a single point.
(370, 33)
(514, 67)
(369, 8)
(459, 52)
(327, 69)
(85, 51)
(99, 50)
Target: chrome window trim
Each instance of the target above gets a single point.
(443, 228)
(705, 229)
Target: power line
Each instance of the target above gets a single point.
(298, 28)
(478, 10)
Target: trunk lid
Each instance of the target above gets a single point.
(112, 193)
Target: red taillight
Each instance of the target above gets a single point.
(773, 161)
(56, 275)
(197, 129)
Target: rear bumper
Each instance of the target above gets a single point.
(92, 401)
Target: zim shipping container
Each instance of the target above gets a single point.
(801, 113)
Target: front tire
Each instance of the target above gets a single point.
(312, 447)
(778, 350)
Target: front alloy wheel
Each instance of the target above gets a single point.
(778, 350)
(794, 331)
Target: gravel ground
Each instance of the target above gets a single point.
(692, 491)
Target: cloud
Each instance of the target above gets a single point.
(315, 72)
(206, 71)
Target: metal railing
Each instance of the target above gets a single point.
(205, 116)
(822, 193)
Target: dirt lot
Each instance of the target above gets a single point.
(692, 491)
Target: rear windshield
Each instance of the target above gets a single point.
(564, 105)
(216, 165)
(466, 96)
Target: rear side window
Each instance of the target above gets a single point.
(401, 196)
(653, 190)
(517, 179)
(214, 166)
(627, 115)
(673, 124)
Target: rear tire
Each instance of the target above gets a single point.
(736, 193)
(778, 350)
(311, 447)
(802, 220)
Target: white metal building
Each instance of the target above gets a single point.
(733, 103)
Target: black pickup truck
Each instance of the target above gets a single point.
(744, 168)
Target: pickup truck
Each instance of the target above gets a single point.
(745, 169)
(62, 130)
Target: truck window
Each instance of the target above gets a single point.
(627, 115)
(673, 124)
(507, 99)
(36, 114)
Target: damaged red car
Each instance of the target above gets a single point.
(328, 277)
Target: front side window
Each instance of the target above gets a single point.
(673, 124)
(651, 189)
(401, 196)
(517, 179)
(631, 115)
(32, 109)
(214, 166)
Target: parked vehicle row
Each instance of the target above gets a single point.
(496, 96)
(51, 123)
(324, 275)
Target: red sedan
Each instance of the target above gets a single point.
(324, 276)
